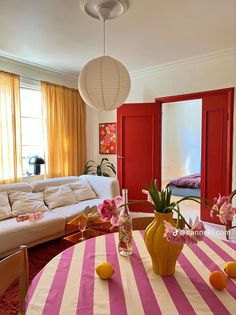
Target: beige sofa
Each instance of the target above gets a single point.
(52, 224)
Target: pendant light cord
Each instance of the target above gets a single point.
(104, 37)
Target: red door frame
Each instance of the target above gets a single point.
(201, 95)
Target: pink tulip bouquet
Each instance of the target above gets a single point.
(193, 231)
(161, 202)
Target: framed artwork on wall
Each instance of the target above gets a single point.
(107, 138)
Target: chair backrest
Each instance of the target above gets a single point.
(13, 267)
(140, 223)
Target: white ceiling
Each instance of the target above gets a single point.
(56, 34)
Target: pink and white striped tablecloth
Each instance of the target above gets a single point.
(68, 285)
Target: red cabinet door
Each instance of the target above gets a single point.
(138, 147)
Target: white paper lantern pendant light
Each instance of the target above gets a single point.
(104, 83)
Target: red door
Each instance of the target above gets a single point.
(138, 143)
(217, 126)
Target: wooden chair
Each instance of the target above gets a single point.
(140, 223)
(13, 267)
(229, 223)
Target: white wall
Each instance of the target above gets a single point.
(209, 72)
(95, 117)
(181, 138)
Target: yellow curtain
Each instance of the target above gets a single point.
(10, 128)
(65, 139)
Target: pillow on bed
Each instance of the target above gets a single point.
(58, 196)
(5, 208)
(190, 181)
(26, 202)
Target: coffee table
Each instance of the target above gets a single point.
(95, 227)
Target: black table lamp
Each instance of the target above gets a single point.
(36, 161)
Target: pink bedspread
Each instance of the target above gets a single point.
(190, 181)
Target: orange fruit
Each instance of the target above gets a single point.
(230, 269)
(218, 280)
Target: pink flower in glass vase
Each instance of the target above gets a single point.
(109, 210)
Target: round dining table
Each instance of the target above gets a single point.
(69, 285)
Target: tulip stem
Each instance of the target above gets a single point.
(180, 215)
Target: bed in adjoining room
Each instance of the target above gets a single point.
(186, 185)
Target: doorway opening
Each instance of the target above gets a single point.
(181, 151)
(216, 143)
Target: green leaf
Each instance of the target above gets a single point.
(105, 174)
(91, 167)
(112, 168)
(99, 171)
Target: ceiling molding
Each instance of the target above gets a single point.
(182, 62)
(73, 77)
(32, 65)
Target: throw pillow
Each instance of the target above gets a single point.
(5, 208)
(58, 196)
(26, 202)
(82, 190)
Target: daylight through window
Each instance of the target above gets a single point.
(31, 128)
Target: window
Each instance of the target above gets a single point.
(32, 128)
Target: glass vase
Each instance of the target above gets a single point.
(125, 228)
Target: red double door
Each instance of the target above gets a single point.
(139, 133)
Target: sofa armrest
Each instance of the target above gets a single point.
(104, 187)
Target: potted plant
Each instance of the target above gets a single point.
(105, 168)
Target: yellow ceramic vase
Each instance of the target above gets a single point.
(163, 253)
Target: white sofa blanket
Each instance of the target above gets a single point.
(63, 199)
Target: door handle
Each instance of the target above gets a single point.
(120, 157)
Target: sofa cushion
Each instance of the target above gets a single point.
(58, 196)
(82, 190)
(13, 234)
(26, 202)
(5, 208)
(104, 187)
(70, 212)
(16, 187)
(40, 185)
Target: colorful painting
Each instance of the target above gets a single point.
(107, 138)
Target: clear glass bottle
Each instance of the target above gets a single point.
(125, 228)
